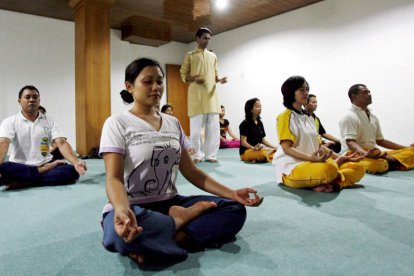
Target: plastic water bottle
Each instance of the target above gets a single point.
(44, 146)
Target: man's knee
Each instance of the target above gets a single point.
(9, 166)
(69, 173)
(61, 175)
(12, 172)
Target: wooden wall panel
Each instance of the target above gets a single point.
(92, 71)
(177, 95)
(184, 16)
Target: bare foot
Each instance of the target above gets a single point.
(326, 188)
(394, 164)
(48, 166)
(138, 258)
(195, 161)
(212, 160)
(182, 215)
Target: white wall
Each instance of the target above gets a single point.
(333, 44)
(123, 53)
(40, 51)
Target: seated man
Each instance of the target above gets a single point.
(333, 143)
(31, 134)
(361, 132)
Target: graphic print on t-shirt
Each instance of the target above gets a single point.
(153, 176)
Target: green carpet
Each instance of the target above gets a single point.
(366, 230)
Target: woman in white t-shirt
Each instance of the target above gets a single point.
(143, 149)
(301, 161)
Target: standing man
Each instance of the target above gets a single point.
(31, 134)
(333, 143)
(199, 70)
(361, 133)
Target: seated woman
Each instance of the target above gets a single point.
(167, 109)
(300, 161)
(224, 128)
(142, 149)
(253, 136)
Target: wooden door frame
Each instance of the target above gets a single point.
(177, 95)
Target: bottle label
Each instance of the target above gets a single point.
(44, 146)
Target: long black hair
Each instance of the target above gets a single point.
(248, 109)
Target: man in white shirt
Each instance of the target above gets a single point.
(31, 134)
(361, 132)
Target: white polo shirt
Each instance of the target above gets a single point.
(356, 125)
(301, 130)
(30, 141)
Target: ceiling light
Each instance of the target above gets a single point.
(222, 4)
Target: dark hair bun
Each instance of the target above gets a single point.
(126, 96)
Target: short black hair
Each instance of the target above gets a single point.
(354, 89)
(289, 88)
(310, 96)
(201, 31)
(28, 87)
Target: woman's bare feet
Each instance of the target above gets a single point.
(182, 215)
(48, 166)
(325, 188)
